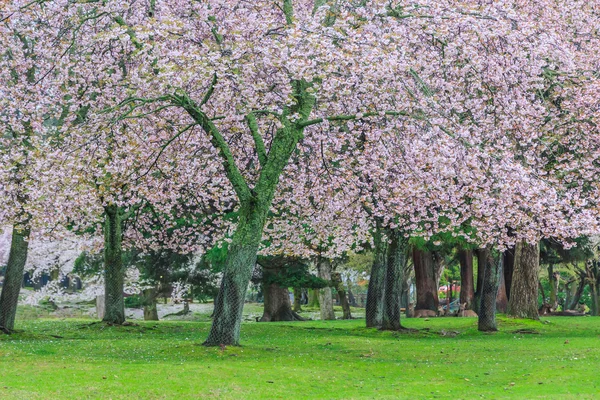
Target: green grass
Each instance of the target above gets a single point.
(324, 360)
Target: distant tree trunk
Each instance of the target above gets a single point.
(393, 282)
(113, 267)
(374, 307)
(13, 279)
(509, 262)
(277, 305)
(489, 289)
(523, 302)
(325, 296)
(593, 280)
(501, 299)
(578, 291)
(553, 279)
(150, 309)
(351, 298)
(313, 298)
(479, 253)
(297, 299)
(425, 279)
(341, 291)
(467, 290)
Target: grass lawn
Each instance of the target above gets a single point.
(446, 358)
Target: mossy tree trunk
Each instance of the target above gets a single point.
(393, 282)
(13, 278)
(492, 273)
(375, 291)
(523, 301)
(554, 280)
(467, 288)
(113, 267)
(313, 298)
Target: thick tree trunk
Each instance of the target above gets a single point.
(523, 302)
(240, 261)
(277, 305)
(467, 289)
(425, 279)
(489, 290)
(325, 296)
(393, 282)
(501, 298)
(150, 309)
(509, 265)
(113, 267)
(374, 307)
(341, 291)
(297, 299)
(480, 255)
(13, 279)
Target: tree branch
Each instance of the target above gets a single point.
(351, 117)
(258, 141)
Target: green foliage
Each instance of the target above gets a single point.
(134, 301)
(295, 274)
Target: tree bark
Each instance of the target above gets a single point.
(425, 279)
(480, 255)
(113, 267)
(501, 299)
(325, 296)
(393, 282)
(297, 299)
(341, 291)
(13, 279)
(579, 291)
(553, 279)
(277, 305)
(150, 309)
(523, 302)
(489, 290)
(467, 289)
(509, 265)
(374, 307)
(313, 298)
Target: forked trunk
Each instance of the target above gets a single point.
(491, 282)
(374, 307)
(523, 301)
(425, 279)
(13, 279)
(325, 296)
(113, 267)
(467, 291)
(393, 282)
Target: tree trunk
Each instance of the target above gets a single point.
(523, 302)
(325, 296)
(393, 282)
(425, 279)
(553, 279)
(113, 267)
(480, 254)
(341, 291)
(501, 299)
(374, 307)
(297, 299)
(313, 298)
(150, 309)
(351, 297)
(509, 265)
(578, 292)
(277, 305)
(467, 290)
(13, 279)
(492, 273)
